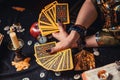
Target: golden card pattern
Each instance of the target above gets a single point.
(48, 17)
(60, 61)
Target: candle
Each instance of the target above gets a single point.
(14, 39)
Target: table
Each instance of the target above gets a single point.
(8, 16)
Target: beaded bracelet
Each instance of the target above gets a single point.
(97, 36)
(82, 32)
(80, 29)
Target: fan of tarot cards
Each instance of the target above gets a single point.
(49, 16)
(60, 61)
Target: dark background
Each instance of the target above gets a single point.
(8, 16)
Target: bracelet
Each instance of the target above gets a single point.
(82, 32)
(97, 36)
(80, 29)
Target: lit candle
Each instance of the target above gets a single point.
(14, 39)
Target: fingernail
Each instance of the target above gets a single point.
(49, 50)
(59, 20)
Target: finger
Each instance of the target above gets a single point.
(60, 22)
(60, 25)
(56, 48)
(54, 34)
(52, 50)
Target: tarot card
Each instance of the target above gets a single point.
(63, 66)
(37, 55)
(48, 32)
(52, 62)
(49, 12)
(61, 61)
(41, 23)
(65, 61)
(49, 62)
(51, 59)
(52, 12)
(50, 17)
(41, 60)
(46, 10)
(59, 68)
(40, 50)
(55, 66)
(60, 64)
(38, 62)
(70, 59)
(45, 30)
(45, 27)
(43, 18)
(62, 13)
(49, 28)
(51, 4)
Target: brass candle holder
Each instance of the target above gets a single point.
(18, 55)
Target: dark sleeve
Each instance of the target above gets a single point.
(99, 22)
(96, 4)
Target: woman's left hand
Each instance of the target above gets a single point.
(62, 34)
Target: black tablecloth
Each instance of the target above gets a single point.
(8, 16)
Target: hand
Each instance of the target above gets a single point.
(66, 41)
(62, 34)
(64, 44)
